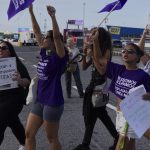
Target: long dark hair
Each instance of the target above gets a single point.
(12, 52)
(105, 40)
(61, 37)
(139, 52)
(51, 35)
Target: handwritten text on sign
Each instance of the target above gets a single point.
(7, 69)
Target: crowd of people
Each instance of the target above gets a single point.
(49, 105)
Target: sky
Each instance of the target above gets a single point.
(135, 13)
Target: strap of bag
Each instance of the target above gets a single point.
(122, 143)
(73, 60)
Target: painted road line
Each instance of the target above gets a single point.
(108, 105)
(75, 87)
(111, 107)
(35, 66)
(21, 58)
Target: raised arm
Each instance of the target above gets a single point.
(56, 33)
(141, 44)
(100, 61)
(35, 26)
(87, 60)
(142, 40)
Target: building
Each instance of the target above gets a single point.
(126, 33)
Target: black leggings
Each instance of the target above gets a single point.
(16, 127)
(102, 114)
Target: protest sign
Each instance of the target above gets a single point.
(136, 111)
(7, 69)
(16, 6)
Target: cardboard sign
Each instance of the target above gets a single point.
(7, 69)
(136, 111)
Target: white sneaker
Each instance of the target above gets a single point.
(21, 147)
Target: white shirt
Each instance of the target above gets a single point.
(147, 67)
(73, 52)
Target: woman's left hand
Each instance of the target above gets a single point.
(146, 96)
(17, 77)
(51, 10)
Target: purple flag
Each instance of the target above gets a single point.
(16, 6)
(114, 5)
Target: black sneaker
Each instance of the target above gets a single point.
(81, 147)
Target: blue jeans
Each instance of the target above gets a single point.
(68, 78)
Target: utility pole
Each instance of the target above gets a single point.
(148, 21)
(83, 17)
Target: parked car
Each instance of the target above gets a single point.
(124, 42)
(117, 43)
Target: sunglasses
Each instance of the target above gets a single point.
(129, 51)
(3, 48)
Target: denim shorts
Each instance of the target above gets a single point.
(121, 125)
(48, 113)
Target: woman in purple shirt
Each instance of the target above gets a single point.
(124, 77)
(49, 105)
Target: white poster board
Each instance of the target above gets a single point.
(7, 69)
(136, 111)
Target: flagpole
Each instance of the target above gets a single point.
(108, 14)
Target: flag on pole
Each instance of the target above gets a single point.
(16, 6)
(113, 6)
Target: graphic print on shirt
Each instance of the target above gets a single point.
(123, 85)
(40, 69)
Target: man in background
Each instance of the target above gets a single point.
(73, 69)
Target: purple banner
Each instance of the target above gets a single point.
(16, 6)
(114, 5)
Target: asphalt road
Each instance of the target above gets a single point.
(71, 125)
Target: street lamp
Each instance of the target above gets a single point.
(83, 16)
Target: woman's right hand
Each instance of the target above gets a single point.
(146, 30)
(51, 10)
(87, 49)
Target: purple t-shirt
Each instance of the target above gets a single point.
(123, 80)
(49, 70)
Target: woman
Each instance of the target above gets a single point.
(124, 77)
(12, 100)
(91, 113)
(49, 106)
